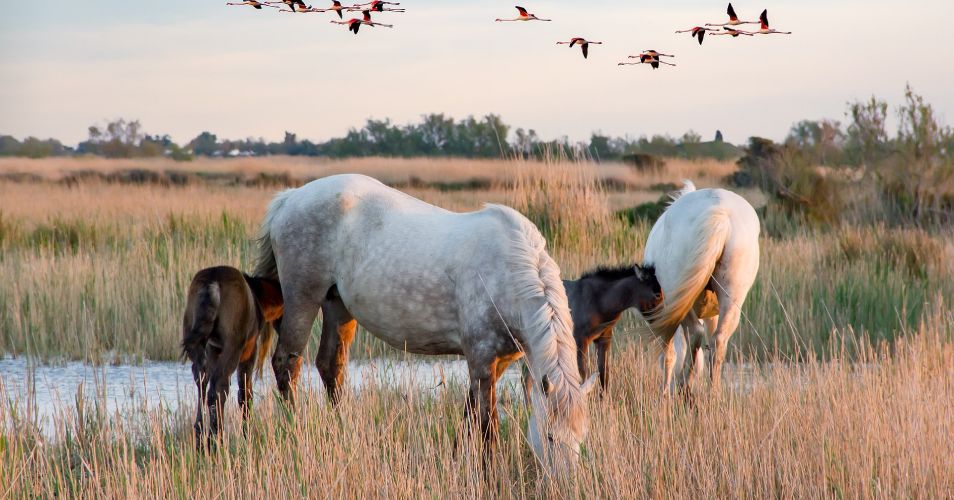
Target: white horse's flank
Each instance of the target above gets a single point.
(705, 243)
(428, 281)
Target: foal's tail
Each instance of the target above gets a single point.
(205, 309)
(700, 261)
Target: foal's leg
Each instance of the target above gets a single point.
(221, 367)
(582, 361)
(337, 333)
(201, 377)
(245, 374)
(602, 349)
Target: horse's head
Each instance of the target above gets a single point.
(648, 292)
(558, 423)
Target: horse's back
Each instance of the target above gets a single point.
(697, 207)
(219, 303)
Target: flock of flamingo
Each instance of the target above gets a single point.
(650, 57)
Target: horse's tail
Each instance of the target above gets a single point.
(265, 339)
(205, 311)
(697, 267)
(271, 304)
(687, 187)
(265, 264)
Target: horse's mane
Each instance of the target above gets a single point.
(548, 331)
(614, 273)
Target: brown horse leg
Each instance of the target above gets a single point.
(221, 367)
(582, 350)
(337, 333)
(602, 349)
(201, 377)
(245, 373)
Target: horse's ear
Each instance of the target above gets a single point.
(590, 384)
(545, 385)
(639, 272)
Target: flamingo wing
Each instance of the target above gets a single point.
(731, 12)
(523, 12)
(700, 35)
(764, 19)
(586, 50)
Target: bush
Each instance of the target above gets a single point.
(644, 162)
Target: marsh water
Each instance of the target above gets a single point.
(42, 391)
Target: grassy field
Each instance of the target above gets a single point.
(881, 428)
(96, 270)
(847, 345)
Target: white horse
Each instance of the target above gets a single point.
(427, 281)
(705, 248)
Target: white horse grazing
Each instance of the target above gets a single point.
(705, 248)
(427, 281)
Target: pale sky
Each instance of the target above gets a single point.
(184, 66)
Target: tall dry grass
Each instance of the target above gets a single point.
(98, 271)
(389, 170)
(881, 428)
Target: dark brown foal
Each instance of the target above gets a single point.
(598, 299)
(228, 319)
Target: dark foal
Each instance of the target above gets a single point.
(228, 319)
(598, 299)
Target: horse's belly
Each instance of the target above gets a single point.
(419, 320)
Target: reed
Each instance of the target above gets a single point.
(880, 428)
(98, 271)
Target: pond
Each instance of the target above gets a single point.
(43, 391)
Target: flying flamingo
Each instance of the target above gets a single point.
(367, 20)
(729, 31)
(354, 24)
(698, 32)
(765, 30)
(335, 7)
(524, 16)
(646, 59)
(733, 19)
(292, 4)
(585, 44)
(253, 3)
(654, 54)
(376, 6)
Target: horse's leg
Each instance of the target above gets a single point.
(245, 395)
(201, 377)
(301, 309)
(602, 349)
(481, 406)
(337, 333)
(690, 340)
(729, 315)
(669, 364)
(582, 351)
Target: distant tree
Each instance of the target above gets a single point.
(718, 136)
(9, 146)
(204, 144)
